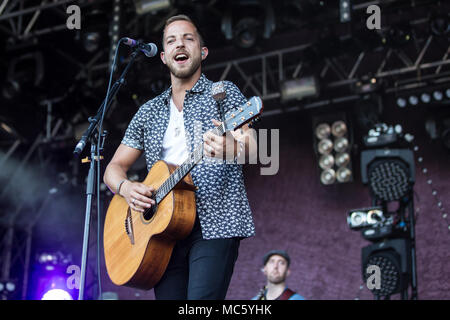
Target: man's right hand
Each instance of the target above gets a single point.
(137, 195)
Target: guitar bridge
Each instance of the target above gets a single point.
(129, 226)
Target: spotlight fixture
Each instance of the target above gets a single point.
(343, 174)
(428, 96)
(345, 10)
(366, 217)
(7, 288)
(341, 144)
(397, 36)
(437, 95)
(297, 89)
(342, 159)
(391, 258)
(56, 294)
(325, 146)
(25, 72)
(339, 129)
(326, 161)
(388, 172)
(382, 135)
(323, 131)
(153, 6)
(440, 24)
(401, 102)
(413, 100)
(247, 21)
(425, 97)
(367, 84)
(328, 176)
(332, 146)
(94, 33)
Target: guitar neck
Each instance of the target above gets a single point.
(180, 172)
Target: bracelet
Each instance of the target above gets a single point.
(119, 185)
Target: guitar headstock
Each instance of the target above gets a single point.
(247, 112)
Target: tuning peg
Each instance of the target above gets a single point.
(254, 121)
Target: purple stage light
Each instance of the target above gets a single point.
(56, 294)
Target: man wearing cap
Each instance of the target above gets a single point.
(276, 269)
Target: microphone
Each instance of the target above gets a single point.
(219, 93)
(149, 49)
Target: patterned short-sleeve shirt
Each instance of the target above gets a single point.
(221, 198)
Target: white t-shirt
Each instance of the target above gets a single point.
(174, 141)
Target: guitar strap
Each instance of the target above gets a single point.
(286, 294)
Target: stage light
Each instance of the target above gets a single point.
(323, 131)
(47, 258)
(245, 22)
(425, 97)
(10, 286)
(343, 174)
(388, 172)
(326, 161)
(366, 217)
(413, 100)
(325, 146)
(366, 85)
(91, 41)
(339, 128)
(397, 36)
(7, 289)
(56, 294)
(447, 93)
(328, 176)
(341, 144)
(94, 33)
(345, 10)
(391, 258)
(25, 72)
(437, 95)
(153, 6)
(342, 159)
(297, 89)
(439, 24)
(246, 32)
(332, 143)
(401, 102)
(389, 180)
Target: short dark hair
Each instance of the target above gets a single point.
(182, 17)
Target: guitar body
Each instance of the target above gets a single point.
(137, 248)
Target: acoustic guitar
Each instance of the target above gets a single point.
(138, 245)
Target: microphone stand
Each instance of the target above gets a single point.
(95, 156)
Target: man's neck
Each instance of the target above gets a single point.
(179, 87)
(274, 290)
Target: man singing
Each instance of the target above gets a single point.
(201, 265)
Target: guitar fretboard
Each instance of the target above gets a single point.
(193, 158)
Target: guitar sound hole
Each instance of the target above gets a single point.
(150, 212)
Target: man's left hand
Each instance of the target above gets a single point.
(216, 146)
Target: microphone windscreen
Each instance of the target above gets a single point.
(218, 91)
